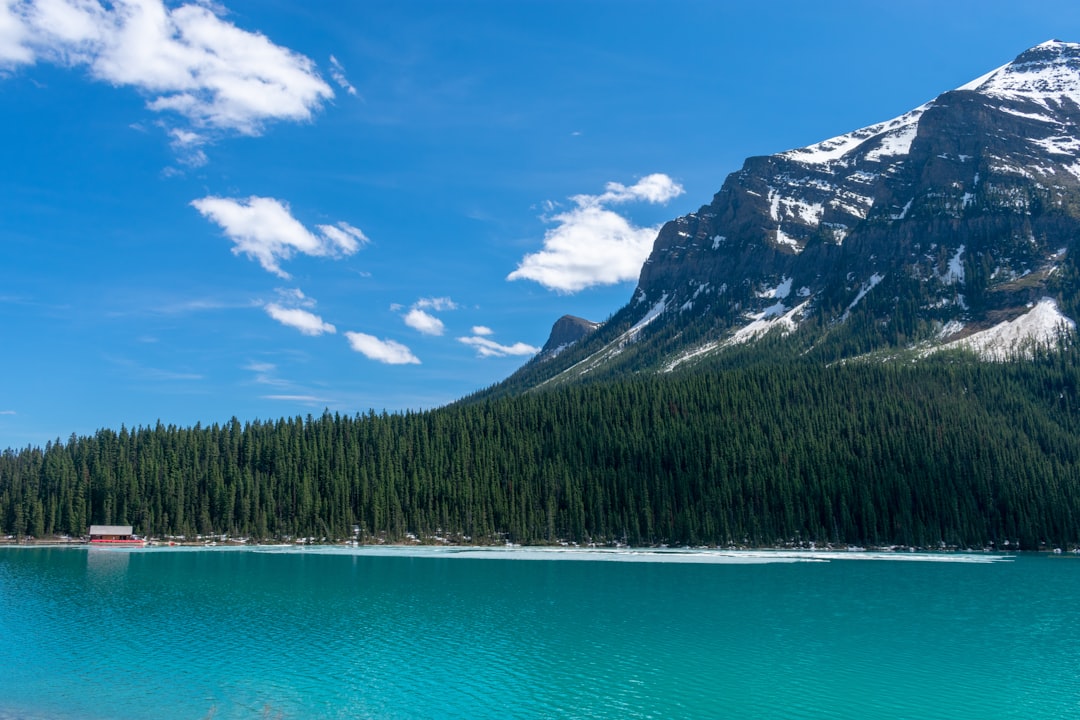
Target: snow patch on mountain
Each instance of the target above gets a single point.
(768, 319)
(690, 355)
(1042, 75)
(894, 137)
(951, 328)
(1039, 117)
(779, 292)
(782, 238)
(654, 312)
(786, 208)
(852, 203)
(895, 142)
(955, 273)
(865, 288)
(1040, 325)
(1058, 144)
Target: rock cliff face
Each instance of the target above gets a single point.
(566, 332)
(932, 228)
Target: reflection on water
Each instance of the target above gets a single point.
(106, 563)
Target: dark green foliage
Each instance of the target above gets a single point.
(940, 451)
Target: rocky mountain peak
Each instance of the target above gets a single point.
(566, 331)
(957, 222)
(1046, 72)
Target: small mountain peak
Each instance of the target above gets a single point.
(1048, 52)
(567, 330)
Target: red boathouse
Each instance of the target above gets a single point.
(113, 535)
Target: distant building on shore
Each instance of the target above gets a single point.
(113, 534)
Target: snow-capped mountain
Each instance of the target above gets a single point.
(936, 227)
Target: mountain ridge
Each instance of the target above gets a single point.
(938, 225)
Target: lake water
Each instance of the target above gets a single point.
(98, 634)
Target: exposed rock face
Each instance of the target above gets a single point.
(967, 194)
(566, 331)
(955, 217)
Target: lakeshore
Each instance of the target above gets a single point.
(701, 555)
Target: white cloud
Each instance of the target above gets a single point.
(186, 58)
(424, 322)
(306, 322)
(13, 36)
(337, 71)
(390, 352)
(264, 230)
(294, 297)
(345, 236)
(593, 245)
(590, 246)
(290, 311)
(437, 304)
(7, 412)
(482, 330)
(655, 188)
(486, 347)
(420, 319)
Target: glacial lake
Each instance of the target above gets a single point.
(265, 633)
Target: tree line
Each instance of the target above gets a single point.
(885, 453)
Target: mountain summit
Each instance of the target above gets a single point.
(955, 224)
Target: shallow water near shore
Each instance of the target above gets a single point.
(392, 633)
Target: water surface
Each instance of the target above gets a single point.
(121, 635)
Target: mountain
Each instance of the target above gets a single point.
(566, 331)
(953, 225)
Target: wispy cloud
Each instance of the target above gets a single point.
(337, 71)
(437, 304)
(347, 238)
(306, 322)
(290, 311)
(594, 245)
(186, 307)
(142, 372)
(7, 412)
(486, 347)
(266, 374)
(188, 147)
(390, 352)
(302, 399)
(419, 319)
(185, 58)
(264, 229)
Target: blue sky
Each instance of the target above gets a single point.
(265, 208)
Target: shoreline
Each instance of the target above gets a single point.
(680, 555)
(438, 543)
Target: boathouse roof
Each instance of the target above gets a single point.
(110, 529)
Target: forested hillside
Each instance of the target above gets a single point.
(940, 451)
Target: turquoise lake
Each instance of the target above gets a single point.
(171, 634)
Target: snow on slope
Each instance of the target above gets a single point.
(1044, 75)
(772, 317)
(1047, 72)
(1040, 325)
(895, 136)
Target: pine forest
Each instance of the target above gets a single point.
(940, 452)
